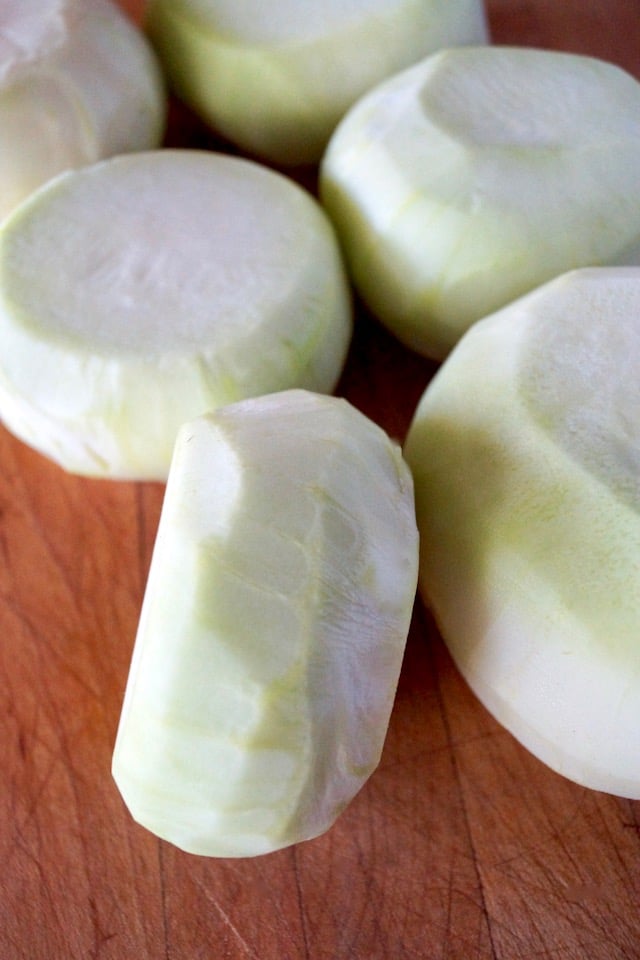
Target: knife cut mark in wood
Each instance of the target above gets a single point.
(245, 947)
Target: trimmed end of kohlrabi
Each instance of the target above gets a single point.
(143, 291)
(525, 453)
(469, 179)
(78, 82)
(273, 626)
(276, 78)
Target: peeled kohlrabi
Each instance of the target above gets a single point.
(147, 289)
(78, 82)
(273, 626)
(525, 452)
(479, 174)
(276, 77)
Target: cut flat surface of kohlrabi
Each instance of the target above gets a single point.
(78, 82)
(151, 288)
(468, 180)
(273, 626)
(276, 77)
(525, 452)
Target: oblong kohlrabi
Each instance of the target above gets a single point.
(78, 82)
(276, 77)
(148, 289)
(468, 180)
(525, 452)
(273, 626)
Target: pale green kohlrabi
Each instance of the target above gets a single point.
(150, 288)
(78, 82)
(273, 626)
(468, 180)
(525, 452)
(276, 77)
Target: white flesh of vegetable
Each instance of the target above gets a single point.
(273, 626)
(468, 180)
(525, 452)
(276, 77)
(147, 289)
(78, 82)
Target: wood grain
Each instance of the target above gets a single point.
(461, 846)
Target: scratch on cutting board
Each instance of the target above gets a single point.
(101, 937)
(41, 530)
(303, 916)
(163, 898)
(248, 949)
(484, 907)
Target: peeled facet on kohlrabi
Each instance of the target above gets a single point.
(475, 176)
(78, 82)
(525, 453)
(147, 289)
(273, 626)
(276, 77)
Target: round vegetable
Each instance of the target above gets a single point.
(147, 289)
(78, 82)
(477, 175)
(273, 626)
(276, 77)
(525, 452)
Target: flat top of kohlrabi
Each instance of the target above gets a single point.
(30, 31)
(471, 124)
(580, 373)
(260, 22)
(155, 252)
(521, 97)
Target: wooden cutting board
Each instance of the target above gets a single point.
(461, 847)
